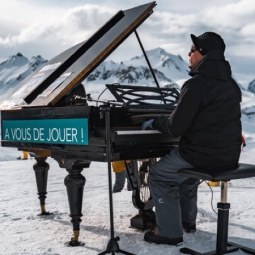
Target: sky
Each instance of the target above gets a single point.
(49, 27)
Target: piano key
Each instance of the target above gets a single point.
(137, 132)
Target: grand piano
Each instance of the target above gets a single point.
(50, 115)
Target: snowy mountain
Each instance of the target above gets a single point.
(16, 68)
(174, 67)
(111, 72)
(168, 69)
(251, 86)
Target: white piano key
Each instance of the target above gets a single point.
(137, 132)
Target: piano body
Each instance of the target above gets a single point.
(50, 115)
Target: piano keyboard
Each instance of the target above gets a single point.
(137, 132)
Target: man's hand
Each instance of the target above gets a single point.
(147, 125)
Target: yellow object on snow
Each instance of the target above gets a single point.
(25, 154)
(119, 166)
(214, 184)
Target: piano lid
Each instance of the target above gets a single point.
(46, 86)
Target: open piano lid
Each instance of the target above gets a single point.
(46, 86)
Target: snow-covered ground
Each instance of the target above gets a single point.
(25, 233)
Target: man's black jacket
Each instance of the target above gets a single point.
(207, 117)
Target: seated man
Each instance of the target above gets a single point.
(207, 120)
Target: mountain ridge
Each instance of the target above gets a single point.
(16, 68)
(170, 70)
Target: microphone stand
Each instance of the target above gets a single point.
(112, 246)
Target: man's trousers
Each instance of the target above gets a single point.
(175, 197)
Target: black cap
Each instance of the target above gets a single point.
(208, 41)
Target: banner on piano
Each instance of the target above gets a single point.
(53, 131)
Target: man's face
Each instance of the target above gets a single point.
(194, 56)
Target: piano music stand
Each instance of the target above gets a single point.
(112, 245)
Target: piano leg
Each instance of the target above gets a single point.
(41, 168)
(74, 183)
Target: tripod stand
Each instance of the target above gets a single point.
(112, 245)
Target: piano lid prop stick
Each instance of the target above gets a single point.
(147, 60)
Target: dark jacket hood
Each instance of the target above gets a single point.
(213, 65)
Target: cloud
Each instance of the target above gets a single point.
(162, 28)
(82, 22)
(233, 15)
(234, 21)
(74, 26)
(59, 27)
(248, 31)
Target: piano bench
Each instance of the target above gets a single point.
(240, 172)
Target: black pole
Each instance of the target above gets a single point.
(147, 60)
(222, 227)
(108, 156)
(112, 245)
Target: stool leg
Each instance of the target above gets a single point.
(222, 227)
(224, 192)
(222, 245)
